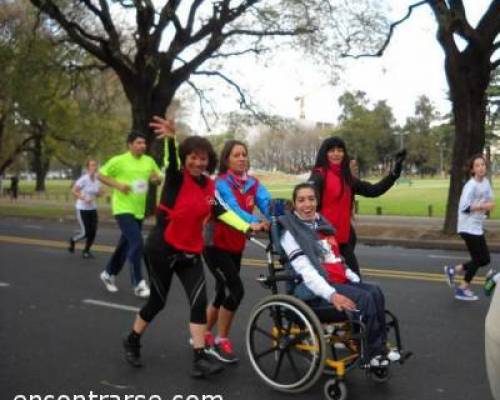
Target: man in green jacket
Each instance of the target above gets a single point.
(129, 174)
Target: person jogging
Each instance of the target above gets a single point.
(129, 174)
(337, 186)
(224, 245)
(86, 189)
(476, 200)
(175, 244)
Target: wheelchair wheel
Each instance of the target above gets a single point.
(285, 343)
(380, 374)
(335, 390)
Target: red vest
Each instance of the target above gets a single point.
(228, 238)
(335, 271)
(336, 204)
(184, 230)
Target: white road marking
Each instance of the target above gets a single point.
(111, 305)
(4, 284)
(440, 256)
(39, 227)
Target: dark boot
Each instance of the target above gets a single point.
(132, 347)
(204, 364)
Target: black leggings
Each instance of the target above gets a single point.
(479, 253)
(347, 251)
(162, 261)
(88, 224)
(225, 267)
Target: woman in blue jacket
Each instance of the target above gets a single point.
(240, 192)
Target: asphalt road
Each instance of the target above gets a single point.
(56, 338)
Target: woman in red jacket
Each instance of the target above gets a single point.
(175, 244)
(337, 187)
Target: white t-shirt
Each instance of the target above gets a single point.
(89, 188)
(474, 192)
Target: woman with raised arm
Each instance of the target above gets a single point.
(176, 242)
(337, 187)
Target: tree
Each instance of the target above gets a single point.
(468, 72)
(367, 131)
(167, 45)
(421, 143)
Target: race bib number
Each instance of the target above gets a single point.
(139, 186)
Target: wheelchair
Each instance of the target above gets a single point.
(289, 343)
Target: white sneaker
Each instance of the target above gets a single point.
(142, 289)
(393, 355)
(109, 282)
(379, 361)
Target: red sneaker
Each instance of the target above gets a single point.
(224, 351)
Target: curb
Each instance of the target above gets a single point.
(421, 243)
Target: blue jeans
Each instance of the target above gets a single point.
(129, 247)
(370, 301)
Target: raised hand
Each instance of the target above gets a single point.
(162, 127)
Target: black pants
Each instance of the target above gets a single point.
(162, 261)
(88, 227)
(225, 267)
(347, 251)
(370, 301)
(479, 253)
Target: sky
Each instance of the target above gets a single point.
(412, 65)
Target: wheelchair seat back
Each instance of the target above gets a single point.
(278, 208)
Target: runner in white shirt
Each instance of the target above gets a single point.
(86, 189)
(476, 200)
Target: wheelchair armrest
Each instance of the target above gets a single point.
(267, 280)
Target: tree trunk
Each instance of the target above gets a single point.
(145, 104)
(468, 80)
(40, 163)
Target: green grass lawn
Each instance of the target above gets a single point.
(402, 199)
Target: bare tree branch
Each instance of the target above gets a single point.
(248, 32)
(201, 99)
(256, 51)
(381, 51)
(244, 104)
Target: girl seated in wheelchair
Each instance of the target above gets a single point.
(327, 284)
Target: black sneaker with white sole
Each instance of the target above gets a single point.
(205, 365)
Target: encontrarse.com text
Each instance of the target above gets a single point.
(93, 396)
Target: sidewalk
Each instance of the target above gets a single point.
(416, 232)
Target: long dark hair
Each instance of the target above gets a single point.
(226, 152)
(322, 157)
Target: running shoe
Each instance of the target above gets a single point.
(86, 254)
(132, 353)
(142, 290)
(109, 282)
(71, 246)
(465, 295)
(489, 283)
(449, 272)
(205, 365)
(223, 351)
(393, 355)
(379, 361)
